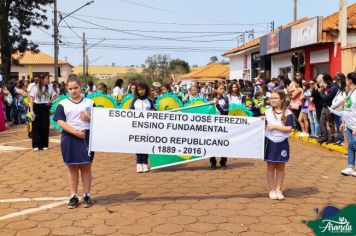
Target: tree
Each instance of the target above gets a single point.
(16, 19)
(157, 68)
(213, 59)
(178, 66)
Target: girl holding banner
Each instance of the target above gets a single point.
(73, 116)
(142, 102)
(279, 125)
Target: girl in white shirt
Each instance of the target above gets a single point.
(73, 116)
(41, 97)
(279, 124)
(118, 92)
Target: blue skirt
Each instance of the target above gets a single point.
(276, 152)
(75, 151)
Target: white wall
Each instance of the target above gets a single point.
(237, 64)
(24, 70)
(280, 61)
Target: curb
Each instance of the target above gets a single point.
(330, 147)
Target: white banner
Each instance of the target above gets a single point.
(176, 133)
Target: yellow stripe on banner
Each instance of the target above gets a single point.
(331, 146)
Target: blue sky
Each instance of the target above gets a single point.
(190, 30)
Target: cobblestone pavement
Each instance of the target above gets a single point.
(184, 200)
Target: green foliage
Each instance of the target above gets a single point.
(16, 19)
(178, 66)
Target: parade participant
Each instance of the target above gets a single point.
(142, 102)
(279, 124)
(165, 88)
(222, 105)
(193, 93)
(118, 91)
(41, 97)
(258, 103)
(206, 91)
(73, 116)
(132, 87)
(349, 124)
(234, 94)
(91, 88)
(103, 88)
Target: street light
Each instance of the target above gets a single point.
(56, 25)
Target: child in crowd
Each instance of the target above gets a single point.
(165, 88)
(303, 115)
(142, 102)
(258, 104)
(73, 116)
(222, 105)
(279, 124)
(248, 101)
(193, 93)
(155, 93)
(313, 120)
(234, 94)
(103, 88)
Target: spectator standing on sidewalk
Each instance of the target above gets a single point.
(327, 90)
(338, 104)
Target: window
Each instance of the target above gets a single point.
(320, 68)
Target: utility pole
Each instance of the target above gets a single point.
(55, 36)
(272, 26)
(84, 58)
(343, 23)
(295, 10)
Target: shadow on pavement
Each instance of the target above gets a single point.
(300, 192)
(134, 196)
(203, 168)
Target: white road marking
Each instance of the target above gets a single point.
(32, 210)
(39, 199)
(12, 148)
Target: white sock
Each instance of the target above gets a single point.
(73, 194)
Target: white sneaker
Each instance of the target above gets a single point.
(273, 195)
(354, 174)
(45, 148)
(280, 195)
(36, 149)
(347, 171)
(145, 168)
(139, 168)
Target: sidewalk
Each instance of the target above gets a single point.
(331, 146)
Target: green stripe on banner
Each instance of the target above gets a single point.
(160, 161)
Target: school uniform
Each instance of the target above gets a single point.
(276, 142)
(222, 109)
(40, 128)
(142, 104)
(75, 151)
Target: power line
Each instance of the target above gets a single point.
(165, 31)
(138, 47)
(171, 23)
(146, 39)
(170, 11)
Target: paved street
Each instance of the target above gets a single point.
(183, 200)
